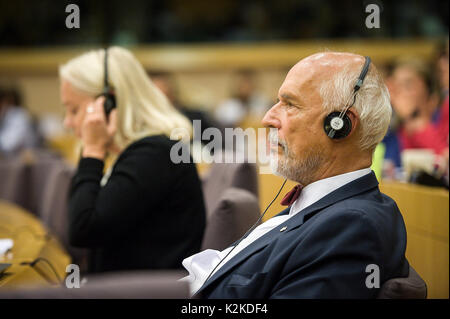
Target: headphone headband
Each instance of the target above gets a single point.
(363, 74)
(341, 123)
(105, 79)
(359, 83)
(110, 100)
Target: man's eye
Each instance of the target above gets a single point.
(289, 104)
(286, 103)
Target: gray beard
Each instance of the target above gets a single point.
(300, 171)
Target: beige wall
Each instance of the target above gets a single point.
(203, 73)
(201, 89)
(207, 89)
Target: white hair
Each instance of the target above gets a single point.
(142, 109)
(372, 102)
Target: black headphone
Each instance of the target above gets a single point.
(108, 93)
(338, 125)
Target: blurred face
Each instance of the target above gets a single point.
(75, 104)
(245, 88)
(298, 115)
(409, 91)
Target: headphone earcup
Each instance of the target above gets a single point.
(338, 133)
(110, 102)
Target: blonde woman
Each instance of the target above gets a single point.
(147, 213)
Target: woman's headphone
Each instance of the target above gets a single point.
(108, 93)
(338, 125)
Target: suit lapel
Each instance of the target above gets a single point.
(351, 189)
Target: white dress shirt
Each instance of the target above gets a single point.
(201, 264)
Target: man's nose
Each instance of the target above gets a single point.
(271, 119)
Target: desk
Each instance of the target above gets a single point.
(31, 240)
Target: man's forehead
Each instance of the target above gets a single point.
(327, 61)
(319, 67)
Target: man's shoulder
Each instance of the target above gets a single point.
(372, 205)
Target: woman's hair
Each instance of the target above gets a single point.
(372, 102)
(142, 109)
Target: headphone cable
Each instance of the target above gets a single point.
(247, 233)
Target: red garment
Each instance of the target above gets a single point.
(292, 196)
(433, 136)
(442, 124)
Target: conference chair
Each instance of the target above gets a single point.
(222, 176)
(39, 181)
(237, 210)
(25, 178)
(54, 200)
(54, 214)
(117, 285)
(411, 287)
(14, 175)
(43, 168)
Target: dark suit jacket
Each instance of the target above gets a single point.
(323, 251)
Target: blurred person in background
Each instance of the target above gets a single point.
(415, 99)
(146, 212)
(442, 69)
(166, 84)
(441, 115)
(245, 103)
(17, 129)
(391, 158)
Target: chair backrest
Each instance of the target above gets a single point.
(411, 287)
(43, 170)
(237, 211)
(54, 211)
(222, 176)
(14, 181)
(54, 199)
(120, 285)
(24, 179)
(40, 184)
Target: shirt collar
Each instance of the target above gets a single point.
(319, 189)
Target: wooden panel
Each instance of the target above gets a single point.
(200, 57)
(426, 214)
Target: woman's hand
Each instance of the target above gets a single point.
(96, 132)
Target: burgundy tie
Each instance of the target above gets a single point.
(290, 197)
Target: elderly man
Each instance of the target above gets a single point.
(339, 237)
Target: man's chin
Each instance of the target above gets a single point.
(275, 167)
